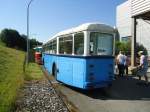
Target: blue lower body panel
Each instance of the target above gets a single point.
(81, 72)
(100, 72)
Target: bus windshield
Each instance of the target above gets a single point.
(101, 43)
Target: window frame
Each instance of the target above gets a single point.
(81, 32)
(113, 43)
(63, 42)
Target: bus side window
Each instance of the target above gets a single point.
(79, 43)
(68, 44)
(54, 46)
(65, 45)
(61, 45)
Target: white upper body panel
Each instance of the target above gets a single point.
(100, 27)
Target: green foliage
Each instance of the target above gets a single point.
(140, 47)
(34, 43)
(2, 44)
(11, 76)
(123, 46)
(126, 47)
(13, 39)
(3, 36)
(33, 72)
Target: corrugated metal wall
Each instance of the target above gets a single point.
(139, 6)
(143, 33)
(123, 21)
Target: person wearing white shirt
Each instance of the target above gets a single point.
(120, 62)
(143, 67)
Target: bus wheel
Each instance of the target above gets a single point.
(54, 71)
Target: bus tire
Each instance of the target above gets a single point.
(54, 71)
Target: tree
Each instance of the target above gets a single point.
(4, 36)
(140, 47)
(123, 46)
(126, 47)
(10, 37)
(23, 42)
(13, 39)
(34, 43)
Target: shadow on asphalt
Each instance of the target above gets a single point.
(122, 89)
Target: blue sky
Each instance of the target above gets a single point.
(47, 17)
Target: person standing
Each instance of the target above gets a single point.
(143, 66)
(126, 64)
(120, 62)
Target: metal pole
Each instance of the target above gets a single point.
(133, 46)
(28, 45)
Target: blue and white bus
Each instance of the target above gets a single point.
(82, 56)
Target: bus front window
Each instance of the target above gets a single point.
(101, 44)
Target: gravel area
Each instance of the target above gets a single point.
(39, 96)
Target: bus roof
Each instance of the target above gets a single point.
(86, 27)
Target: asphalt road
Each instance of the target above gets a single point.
(124, 96)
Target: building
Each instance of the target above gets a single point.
(133, 21)
(123, 21)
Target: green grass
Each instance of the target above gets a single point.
(33, 72)
(11, 76)
(2, 44)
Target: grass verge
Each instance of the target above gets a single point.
(11, 76)
(33, 72)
